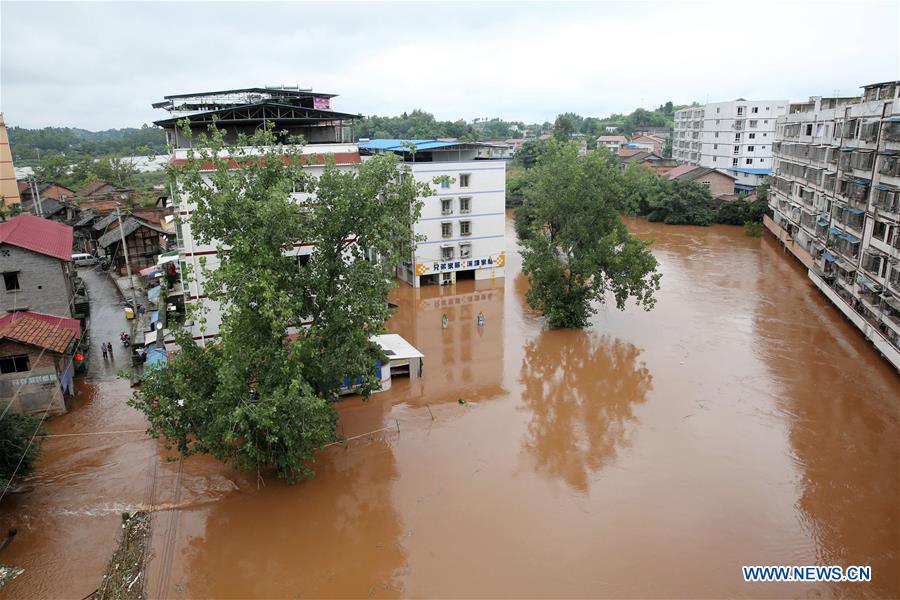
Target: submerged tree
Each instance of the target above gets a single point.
(575, 247)
(17, 448)
(292, 330)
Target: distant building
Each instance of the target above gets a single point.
(734, 136)
(37, 361)
(612, 142)
(45, 189)
(663, 133)
(653, 161)
(464, 222)
(835, 195)
(719, 183)
(9, 191)
(36, 264)
(647, 142)
(144, 243)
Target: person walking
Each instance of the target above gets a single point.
(103, 348)
(109, 348)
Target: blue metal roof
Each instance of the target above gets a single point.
(822, 223)
(402, 145)
(746, 188)
(751, 171)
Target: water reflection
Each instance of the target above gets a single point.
(843, 429)
(462, 360)
(580, 388)
(337, 535)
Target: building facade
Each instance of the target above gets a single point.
(463, 222)
(835, 196)
(36, 264)
(735, 137)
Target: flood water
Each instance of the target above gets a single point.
(742, 421)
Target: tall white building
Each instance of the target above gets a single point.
(464, 222)
(735, 137)
(835, 196)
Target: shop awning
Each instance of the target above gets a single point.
(834, 231)
(855, 211)
(829, 257)
(822, 223)
(845, 266)
(167, 257)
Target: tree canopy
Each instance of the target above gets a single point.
(292, 329)
(575, 248)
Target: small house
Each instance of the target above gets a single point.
(37, 354)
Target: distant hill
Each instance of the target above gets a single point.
(30, 145)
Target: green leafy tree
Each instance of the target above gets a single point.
(259, 397)
(53, 167)
(575, 247)
(16, 431)
(564, 126)
(682, 203)
(528, 154)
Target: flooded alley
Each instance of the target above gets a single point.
(742, 421)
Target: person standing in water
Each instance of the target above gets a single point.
(480, 319)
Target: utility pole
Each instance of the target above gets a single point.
(127, 264)
(36, 197)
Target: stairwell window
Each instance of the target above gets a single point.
(465, 205)
(11, 281)
(464, 180)
(465, 228)
(446, 229)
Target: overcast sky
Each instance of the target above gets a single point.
(101, 65)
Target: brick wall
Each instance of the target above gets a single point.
(44, 285)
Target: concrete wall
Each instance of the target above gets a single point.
(486, 217)
(32, 391)
(45, 285)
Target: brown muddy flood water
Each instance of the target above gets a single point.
(742, 421)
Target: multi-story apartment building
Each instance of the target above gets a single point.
(835, 196)
(463, 222)
(294, 111)
(735, 137)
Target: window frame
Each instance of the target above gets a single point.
(18, 283)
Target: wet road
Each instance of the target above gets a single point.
(742, 421)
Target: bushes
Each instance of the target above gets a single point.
(16, 431)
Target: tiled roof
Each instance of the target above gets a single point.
(38, 235)
(28, 328)
(92, 188)
(103, 223)
(74, 325)
(129, 226)
(48, 207)
(612, 138)
(680, 170)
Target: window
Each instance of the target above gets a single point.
(465, 228)
(11, 281)
(809, 129)
(737, 149)
(717, 121)
(717, 134)
(465, 250)
(737, 137)
(446, 252)
(734, 162)
(752, 136)
(465, 205)
(754, 110)
(14, 364)
(740, 110)
(446, 229)
(750, 148)
(446, 206)
(715, 146)
(718, 110)
(706, 183)
(714, 159)
(444, 183)
(464, 180)
(749, 161)
(753, 124)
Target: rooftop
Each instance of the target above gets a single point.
(56, 334)
(129, 226)
(38, 235)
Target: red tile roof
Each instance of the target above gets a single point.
(26, 328)
(623, 152)
(681, 170)
(74, 325)
(38, 235)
